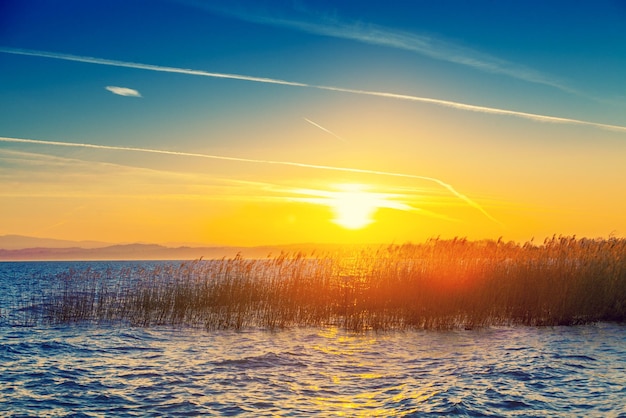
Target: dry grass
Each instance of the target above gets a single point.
(440, 284)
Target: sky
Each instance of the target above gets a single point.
(275, 122)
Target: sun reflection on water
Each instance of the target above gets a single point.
(355, 384)
(314, 372)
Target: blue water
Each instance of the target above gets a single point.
(118, 370)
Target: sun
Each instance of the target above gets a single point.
(353, 205)
(354, 208)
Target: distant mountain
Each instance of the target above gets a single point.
(16, 242)
(20, 248)
(126, 252)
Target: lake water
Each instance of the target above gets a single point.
(118, 370)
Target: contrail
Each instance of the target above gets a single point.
(476, 108)
(439, 102)
(149, 67)
(325, 130)
(446, 186)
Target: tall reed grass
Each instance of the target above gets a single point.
(440, 284)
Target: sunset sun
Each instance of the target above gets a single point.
(354, 207)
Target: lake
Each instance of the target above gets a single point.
(119, 370)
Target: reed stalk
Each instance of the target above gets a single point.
(440, 284)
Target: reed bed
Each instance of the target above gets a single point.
(440, 284)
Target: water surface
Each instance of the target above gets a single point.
(118, 370)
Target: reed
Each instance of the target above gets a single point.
(440, 284)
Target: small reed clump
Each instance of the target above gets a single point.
(440, 284)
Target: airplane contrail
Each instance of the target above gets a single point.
(149, 67)
(325, 130)
(439, 102)
(441, 183)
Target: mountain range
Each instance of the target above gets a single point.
(18, 242)
(22, 248)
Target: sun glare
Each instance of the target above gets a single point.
(354, 208)
(353, 205)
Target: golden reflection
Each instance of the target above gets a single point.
(370, 375)
(351, 371)
(355, 365)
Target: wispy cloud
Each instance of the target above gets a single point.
(439, 102)
(424, 44)
(325, 130)
(29, 174)
(441, 183)
(123, 91)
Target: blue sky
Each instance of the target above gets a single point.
(463, 92)
(533, 57)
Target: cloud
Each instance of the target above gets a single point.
(123, 91)
(44, 175)
(427, 45)
(439, 102)
(441, 183)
